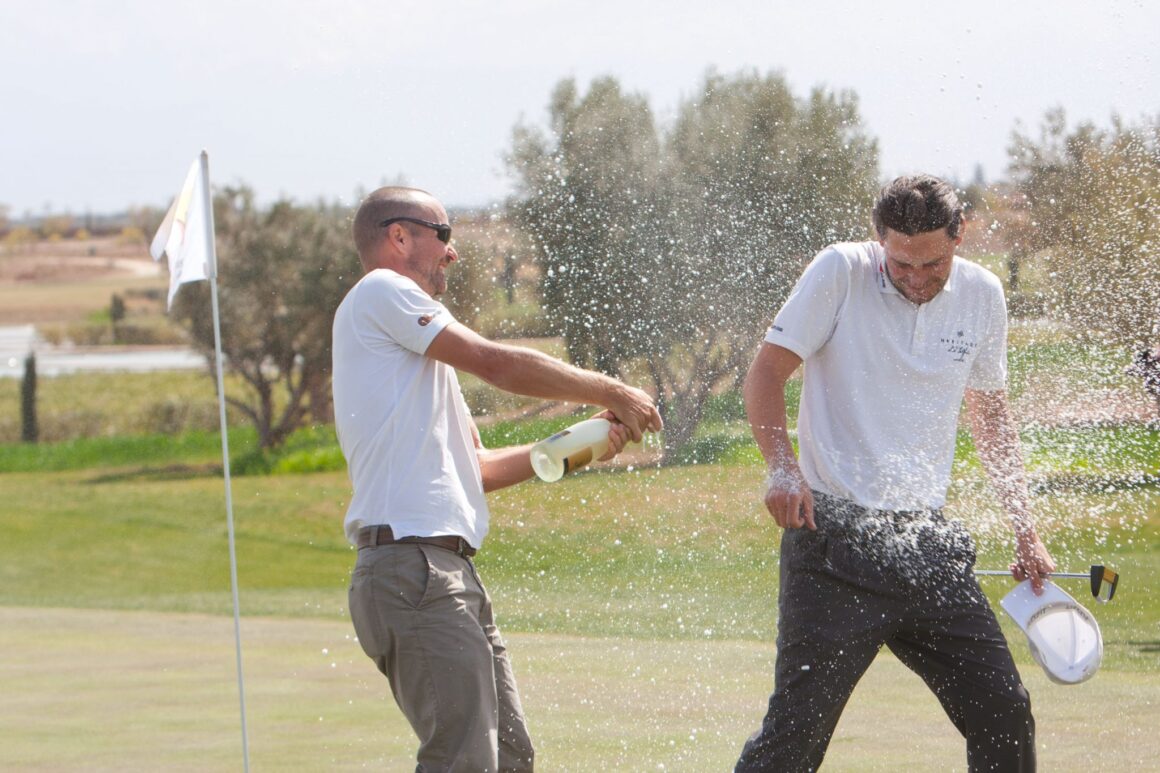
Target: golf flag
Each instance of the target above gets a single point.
(183, 235)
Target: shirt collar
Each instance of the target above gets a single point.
(952, 280)
(880, 277)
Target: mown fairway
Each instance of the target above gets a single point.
(112, 691)
(639, 606)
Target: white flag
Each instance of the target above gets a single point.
(183, 236)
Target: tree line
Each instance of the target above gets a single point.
(663, 249)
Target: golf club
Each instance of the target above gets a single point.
(1101, 578)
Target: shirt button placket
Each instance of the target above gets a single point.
(919, 337)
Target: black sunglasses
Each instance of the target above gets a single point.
(442, 230)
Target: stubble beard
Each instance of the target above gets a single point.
(922, 296)
(433, 282)
(438, 281)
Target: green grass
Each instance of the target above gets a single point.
(682, 552)
(1066, 366)
(1078, 457)
(158, 453)
(88, 405)
(156, 691)
(310, 449)
(639, 605)
(640, 608)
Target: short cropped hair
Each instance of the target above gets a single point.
(918, 204)
(380, 205)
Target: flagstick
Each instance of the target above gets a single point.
(221, 389)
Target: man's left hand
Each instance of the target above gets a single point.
(1032, 561)
(618, 436)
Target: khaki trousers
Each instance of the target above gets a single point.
(422, 614)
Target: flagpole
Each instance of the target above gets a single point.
(221, 390)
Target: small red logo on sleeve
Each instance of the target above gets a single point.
(425, 320)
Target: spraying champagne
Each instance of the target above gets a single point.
(570, 449)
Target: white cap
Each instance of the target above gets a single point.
(1063, 636)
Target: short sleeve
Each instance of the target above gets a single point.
(393, 305)
(810, 314)
(989, 370)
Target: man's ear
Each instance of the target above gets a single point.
(397, 235)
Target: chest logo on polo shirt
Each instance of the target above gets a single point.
(959, 346)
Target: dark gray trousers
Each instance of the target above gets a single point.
(869, 578)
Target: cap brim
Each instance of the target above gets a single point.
(1063, 636)
(1022, 603)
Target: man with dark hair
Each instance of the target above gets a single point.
(894, 335)
(914, 205)
(419, 473)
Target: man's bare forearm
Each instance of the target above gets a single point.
(764, 394)
(997, 443)
(503, 467)
(767, 420)
(534, 374)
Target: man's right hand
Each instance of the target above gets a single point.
(789, 499)
(635, 409)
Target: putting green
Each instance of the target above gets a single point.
(101, 690)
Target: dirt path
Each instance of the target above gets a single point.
(70, 268)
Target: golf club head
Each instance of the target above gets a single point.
(1104, 579)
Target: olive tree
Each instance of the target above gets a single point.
(282, 272)
(588, 196)
(756, 182)
(669, 248)
(1094, 216)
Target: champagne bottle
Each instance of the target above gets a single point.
(570, 449)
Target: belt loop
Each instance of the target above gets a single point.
(375, 535)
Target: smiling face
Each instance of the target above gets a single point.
(919, 265)
(427, 258)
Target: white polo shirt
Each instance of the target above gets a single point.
(884, 378)
(401, 420)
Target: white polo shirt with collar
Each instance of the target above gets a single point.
(401, 420)
(884, 378)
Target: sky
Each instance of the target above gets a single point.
(103, 105)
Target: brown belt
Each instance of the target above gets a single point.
(372, 536)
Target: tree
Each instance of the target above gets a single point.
(282, 273)
(56, 226)
(20, 239)
(588, 195)
(471, 281)
(29, 427)
(673, 249)
(1094, 215)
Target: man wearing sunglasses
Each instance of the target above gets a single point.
(894, 334)
(420, 472)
